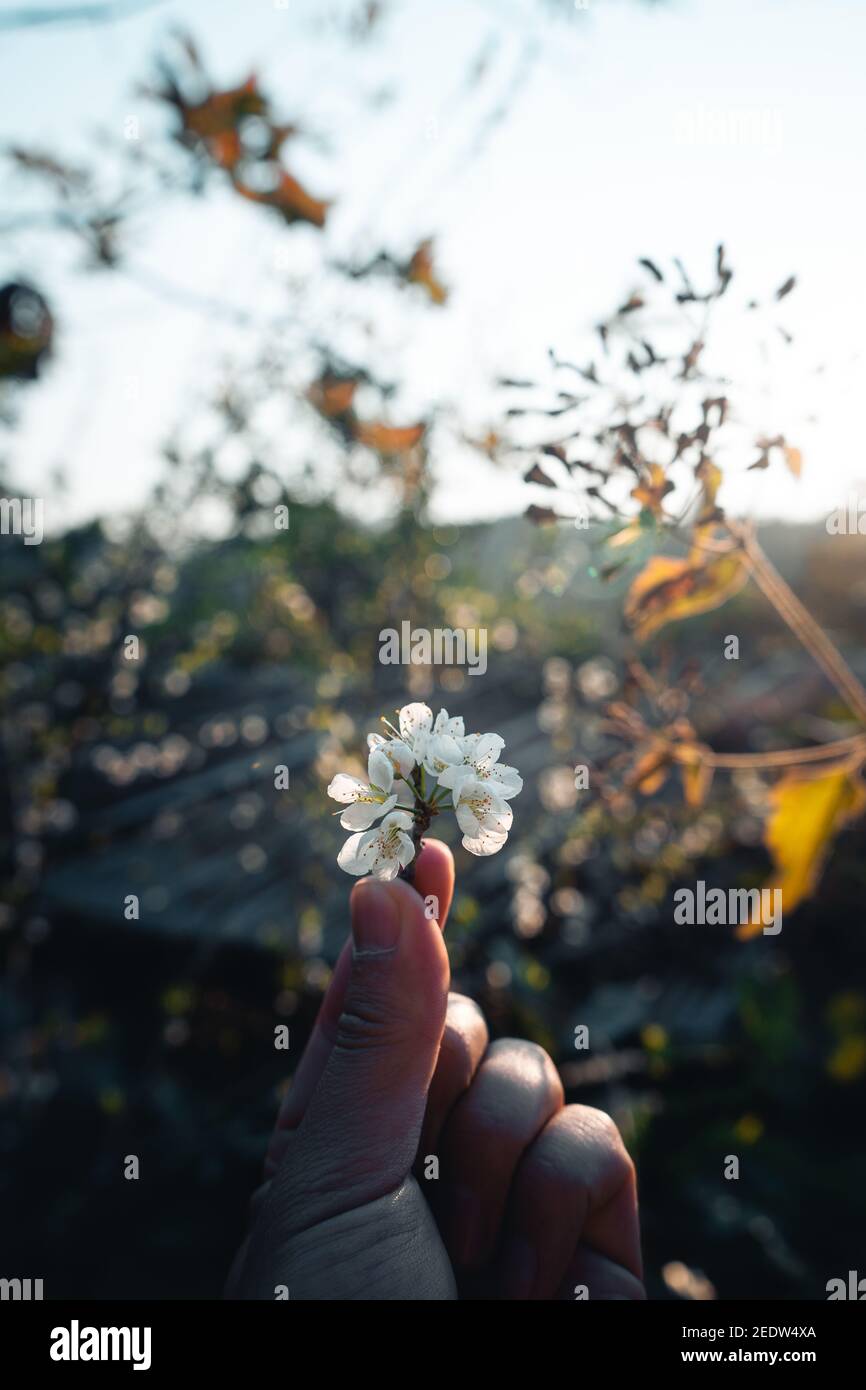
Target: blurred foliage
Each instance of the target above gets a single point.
(663, 428)
(155, 775)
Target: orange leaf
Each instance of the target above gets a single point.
(385, 439)
(794, 460)
(650, 772)
(289, 198)
(226, 149)
(420, 272)
(222, 111)
(807, 813)
(332, 396)
(668, 589)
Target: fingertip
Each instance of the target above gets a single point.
(434, 877)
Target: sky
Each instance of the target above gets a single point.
(593, 137)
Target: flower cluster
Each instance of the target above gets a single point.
(415, 772)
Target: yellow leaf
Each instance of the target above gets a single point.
(807, 813)
(697, 777)
(710, 477)
(654, 1037)
(749, 1129)
(669, 589)
(652, 489)
(847, 1062)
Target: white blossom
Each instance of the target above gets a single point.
(483, 815)
(411, 771)
(383, 851)
(480, 762)
(367, 801)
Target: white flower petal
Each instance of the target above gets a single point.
(357, 852)
(392, 848)
(479, 800)
(406, 851)
(506, 781)
(380, 769)
(467, 819)
(362, 814)
(345, 788)
(401, 755)
(486, 751)
(452, 727)
(415, 720)
(456, 778)
(484, 844)
(442, 751)
(404, 793)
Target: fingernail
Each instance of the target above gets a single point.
(519, 1268)
(464, 1225)
(375, 918)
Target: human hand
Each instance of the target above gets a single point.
(534, 1199)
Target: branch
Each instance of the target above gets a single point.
(781, 757)
(801, 623)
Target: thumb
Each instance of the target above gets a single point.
(358, 1137)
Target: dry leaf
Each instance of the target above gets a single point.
(289, 198)
(652, 490)
(794, 460)
(537, 474)
(420, 272)
(710, 477)
(541, 516)
(807, 813)
(222, 111)
(668, 589)
(386, 439)
(650, 772)
(332, 396)
(697, 775)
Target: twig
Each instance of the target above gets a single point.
(801, 622)
(781, 757)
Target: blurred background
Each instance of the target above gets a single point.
(390, 266)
